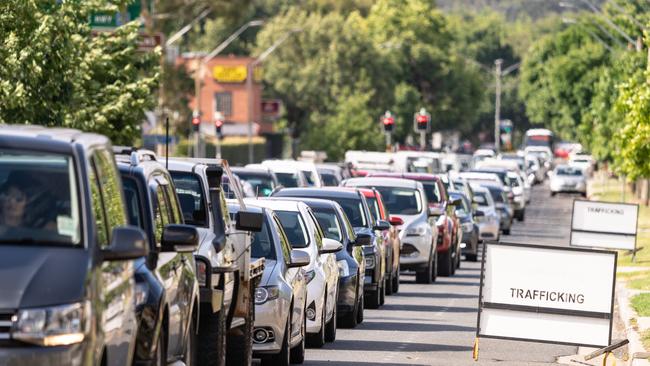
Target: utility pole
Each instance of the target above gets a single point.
(497, 104)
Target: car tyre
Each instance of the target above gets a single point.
(240, 341)
(159, 358)
(506, 231)
(553, 194)
(330, 328)
(318, 340)
(350, 319)
(212, 338)
(297, 354)
(425, 275)
(388, 284)
(362, 304)
(374, 300)
(445, 265)
(382, 294)
(395, 284)
(471, 257)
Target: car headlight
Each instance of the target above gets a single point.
(344, 269)
(309, 275)
(202, 272)
(467, 226)
(53, 326)
(370, 262)
(419, 230)
(264, 294)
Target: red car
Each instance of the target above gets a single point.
(392, 243)
(448, 245)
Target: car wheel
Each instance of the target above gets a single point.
(240, 341)
(445, 265)
(297, 354)
(506, 231)
(471, 257)
(382, 293)
(362, 304)
(373, 299)
(553, 194)
(350, 319)
(330, 328)
(425, 275)
(283, 357)
(160, 358)
(388, 284)
(395, 284)
(583, 194)
(190, 358)
(318, 340)
(212, 338)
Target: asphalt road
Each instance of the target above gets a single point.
(436, 324)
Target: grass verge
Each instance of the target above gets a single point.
(641, 304)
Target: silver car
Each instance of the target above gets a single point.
(280, 300)
(568, 179)
(488, 223)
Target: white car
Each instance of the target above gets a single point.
(407, 200)
(568, 179)
(520, 199)
(584, 162)
(322, 274)
(488, 224)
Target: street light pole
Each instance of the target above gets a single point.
(249, 87)
(497, 104)
(198, 75)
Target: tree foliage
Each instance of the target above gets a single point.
(55, 73)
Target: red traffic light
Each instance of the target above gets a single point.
(218, 123)
(388, 121)
(196, 121)
(422, 118)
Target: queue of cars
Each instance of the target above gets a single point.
(189, 260)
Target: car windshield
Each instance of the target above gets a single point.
(481, 199)
(329, 222)
(401, 201)
(309, 175)
(496, 194)
(288, 180)
(432, 191)
(463, 209)
(568, 171)
(329, 180)
(262, 183)
(353, 209)
(294, 227)
(38, 199)
(514, 182)
(262, 245)
(190, 196)
(132, 201)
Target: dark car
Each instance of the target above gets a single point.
(336, 226)
(356, 208)
(167, 306)
(70, 295)
(466, 213)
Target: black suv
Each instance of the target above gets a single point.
(168, 291)
(68, 294)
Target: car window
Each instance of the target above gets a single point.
(348, 226)
(354, 210)
(294, 227)
(132, 202)
(329, 180)
(284, 241)
(568, 171)
(374, 207)
(191, 198)
(329, 222)
(481, 199)
(110, 185)
(262, 184)
(319, 235)
(288, 180)
(39, 198)
(497, 195)
(309, 175)
(262, 246)
(176, 216)
(401, 201)
(463, 207)
(101, 225)
(161, 212)
(432, 191)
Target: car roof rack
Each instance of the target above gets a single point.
(135, 154)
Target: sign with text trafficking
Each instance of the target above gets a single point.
(604, 225)
(547, 294)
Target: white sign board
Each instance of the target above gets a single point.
(604, 225)
(547, 294)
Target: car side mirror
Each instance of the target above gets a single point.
(298, 259)
(363, 239)
(330, 246)
(249, 221)
(396, 221)
(479, 213)
(382, 225)
(127, 242)
(179, 238)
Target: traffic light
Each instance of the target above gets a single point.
(422, 119)
(196, 122)
(218, 123)
(388, 121)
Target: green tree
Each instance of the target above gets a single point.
(56, 74)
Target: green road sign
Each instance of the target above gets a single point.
(109, 21)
